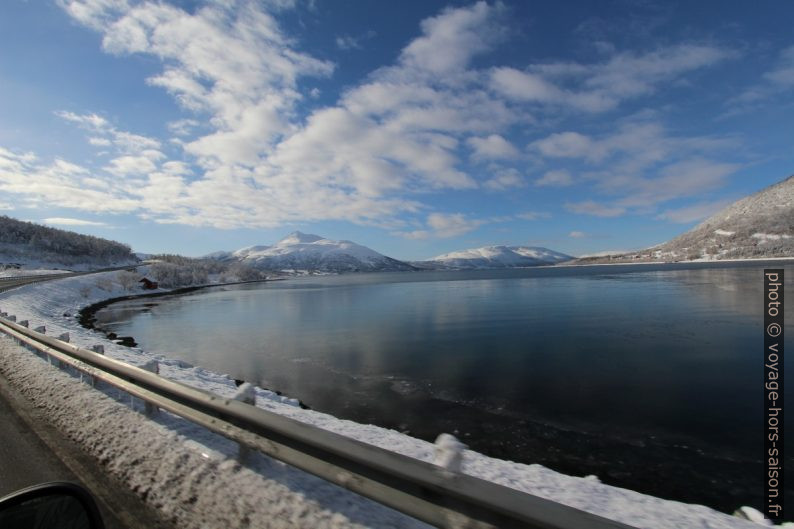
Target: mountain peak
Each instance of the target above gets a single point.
(297, 237)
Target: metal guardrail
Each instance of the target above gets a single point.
(417, 488)
(7, 283)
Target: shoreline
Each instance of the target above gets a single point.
(51, 301)
(712, 261)
(86, 315)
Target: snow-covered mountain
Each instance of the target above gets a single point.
(312, 253)
(496, 257)
(758, 226)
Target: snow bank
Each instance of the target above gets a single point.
(764, 237)
(20, 272)
(183, 467)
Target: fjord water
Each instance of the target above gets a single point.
(647, 376)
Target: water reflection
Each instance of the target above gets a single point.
(664, 355)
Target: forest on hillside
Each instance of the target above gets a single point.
(22, 241)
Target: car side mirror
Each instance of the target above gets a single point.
(58, 504)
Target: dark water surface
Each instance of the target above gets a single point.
(648, 376)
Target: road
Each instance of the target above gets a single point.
(33, 452)
(7, 283)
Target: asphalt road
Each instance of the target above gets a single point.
(33, 452)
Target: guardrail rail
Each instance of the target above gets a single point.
(417, 488)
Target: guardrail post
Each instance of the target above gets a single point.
(448, 453)
(154, 367)
(245, 393)
(99, 349)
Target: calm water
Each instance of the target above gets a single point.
(649, 377)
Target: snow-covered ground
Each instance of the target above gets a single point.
(191, 475)
(20, 272)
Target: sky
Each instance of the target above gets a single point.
(415, 128)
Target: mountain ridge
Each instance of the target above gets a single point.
(760, 225)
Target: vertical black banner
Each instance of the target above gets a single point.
(773, 393)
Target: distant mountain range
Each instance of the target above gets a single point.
(302, 252)
(758, 226)
(305, 253)
(495, 257)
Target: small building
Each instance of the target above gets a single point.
(148, 284)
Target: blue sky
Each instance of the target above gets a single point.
(415, 128)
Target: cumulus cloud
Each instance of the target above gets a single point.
(66, 221)
(451, 39)
(60, 182)
(693, 213)
(590, 207)
(638, 166)
(446, 225)
(505, 179)
(602, 86)
(533, 215)
(491, 147)
(577, 235)
(250, 155)
(555, 178)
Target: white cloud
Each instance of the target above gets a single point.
(451, 225)
(407, 129)
(577, 235)
(693, 213)
(451, 39)
(639, 166)
(67, 184)
(66, 221)
(555, 178)
(182, 127)
(491, 147)
(602, 86)
(783, 73)
(569, 145)
(505, 179)
(533, 215)
(130, 165)
(590, 207)
(775, 81)
(523, 86)
(99, 142)
(107, 135)
(446, 225)
(346, 42)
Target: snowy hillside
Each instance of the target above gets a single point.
(27, 245)
(301, 252)
(758, 226)
(496, 257)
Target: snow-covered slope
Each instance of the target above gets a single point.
(496, 257)
(312, 253)
(758, 226)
